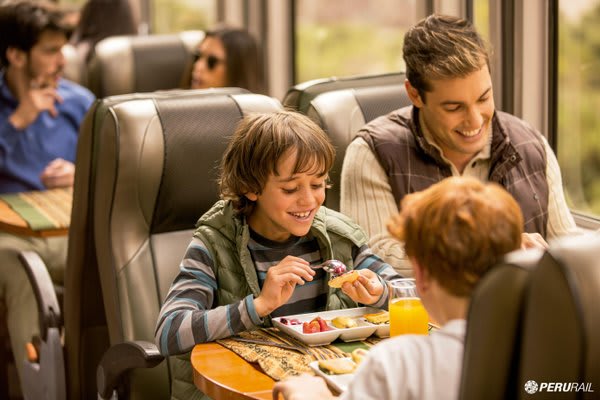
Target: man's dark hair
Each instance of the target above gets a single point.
(22, 22)
(442, 47)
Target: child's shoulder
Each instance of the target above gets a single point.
(221, 214)
(337, 223)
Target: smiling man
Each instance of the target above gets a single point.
(451, 129)
(40, 115)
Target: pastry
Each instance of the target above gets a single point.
(378, 318)
(338, 281)
(337, 366)
(358, 355)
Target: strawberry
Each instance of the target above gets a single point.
(322, 324)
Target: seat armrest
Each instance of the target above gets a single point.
(44, 291)
(121, 358)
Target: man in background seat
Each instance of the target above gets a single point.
(452, 129)
(40, 115)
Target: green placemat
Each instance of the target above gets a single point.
(42, 210)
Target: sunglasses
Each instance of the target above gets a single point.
(211, 61)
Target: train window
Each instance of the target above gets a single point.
(481, 17)
(350, 37)
(578, 120)
(170, 16)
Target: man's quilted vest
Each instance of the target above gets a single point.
(518, 160)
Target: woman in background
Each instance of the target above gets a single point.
(228, 57)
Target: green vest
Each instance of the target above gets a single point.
(226, 236)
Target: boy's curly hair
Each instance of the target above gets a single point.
(457, 229)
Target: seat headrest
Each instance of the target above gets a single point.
(159, 154)
(299, 96)
(196, 134)
(128, 64)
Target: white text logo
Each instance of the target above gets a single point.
(532, 387)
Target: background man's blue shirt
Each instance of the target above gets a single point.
(25, 153)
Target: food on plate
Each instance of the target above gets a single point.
(338, 281)
(344, 322)
(316, 325)
(378, 318)
(337, 366)
(290, 321)
(358, 355)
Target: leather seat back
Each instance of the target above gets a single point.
(159, 161)
(560, 334)
(299, 96)
(145, 172)
(341, 113)
(493, 338)
(129, 64)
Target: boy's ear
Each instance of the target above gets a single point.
(413, 94)
(251, 196)
(16, 57)
(421, 276)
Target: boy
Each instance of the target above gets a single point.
(253, 253)
(454, 231)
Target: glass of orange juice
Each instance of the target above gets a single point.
(407, 314)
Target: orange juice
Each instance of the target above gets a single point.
(407, 315)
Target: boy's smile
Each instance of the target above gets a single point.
(288, 202)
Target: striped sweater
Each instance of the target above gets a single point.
(190, 314)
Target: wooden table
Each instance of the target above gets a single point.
(222, 374)
(11, 221)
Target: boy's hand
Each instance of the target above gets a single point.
(302, 387)
(58, 173)
(532, 241)
(367, 289)
(280, 283)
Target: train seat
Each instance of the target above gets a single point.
(341, 113)
(299, 96)
(561, 343)
(75, 69)
(492, 343)
(128, 64)
(148, 171)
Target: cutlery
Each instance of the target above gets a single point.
(334, 267)
(273, 344)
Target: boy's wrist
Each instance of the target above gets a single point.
(261, 308)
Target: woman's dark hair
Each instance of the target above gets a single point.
(244, 59)
(101, 19)
(244, 67)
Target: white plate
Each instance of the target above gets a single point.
(338, 383)
(363, 331)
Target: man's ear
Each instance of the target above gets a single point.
(251, 196)
(413, 94)
(16, 57)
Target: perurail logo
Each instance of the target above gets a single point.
(532, 387)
